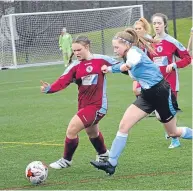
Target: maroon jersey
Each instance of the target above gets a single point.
(91, 81)
(166, 51)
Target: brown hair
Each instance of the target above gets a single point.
(165, 20)
(129, 36)
(83, 40)
(145, 24)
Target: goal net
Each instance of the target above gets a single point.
(31, 39)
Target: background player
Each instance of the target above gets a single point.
(167, 49)
(65, 45)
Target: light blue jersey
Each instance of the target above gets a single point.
(142, 69)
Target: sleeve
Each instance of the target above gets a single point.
(64, 80)
(182, 53)
(116, 68)
(109, 60)
(133, 58)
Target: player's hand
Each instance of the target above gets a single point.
(169, 68)
(124, 68)
(104, 69)
(44, 88)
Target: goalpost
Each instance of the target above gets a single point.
(31, 39)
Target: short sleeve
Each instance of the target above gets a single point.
(133, 57)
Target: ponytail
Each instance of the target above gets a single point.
(70, 60)
(140, 41)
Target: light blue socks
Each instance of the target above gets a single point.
(117, 147)
(186, 133)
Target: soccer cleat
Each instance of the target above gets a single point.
(103, 157)
(174, 143)
(105, 166)
(61, 163)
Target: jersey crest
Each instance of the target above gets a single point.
(89, 69)
(159, 49)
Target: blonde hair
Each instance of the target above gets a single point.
(145, 24)
(129, 36)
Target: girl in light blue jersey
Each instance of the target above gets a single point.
(156, 95)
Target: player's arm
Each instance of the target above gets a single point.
(112, 69)
(133, 58)
(60, 42)
(111, 65)
(182, 53)
(70, 38)
(61, 83)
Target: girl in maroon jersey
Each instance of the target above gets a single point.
(167, 49)
(92, 99)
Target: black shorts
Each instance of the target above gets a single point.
(159, 98)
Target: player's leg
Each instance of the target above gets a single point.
(173, 131)
(90, 117)
(167, 107)
(70, 143)
(65, 58)
(97, 140)
(131, 116)
(175, 142)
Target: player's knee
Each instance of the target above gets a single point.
(72, 130)
(92, 134)
(123, 126)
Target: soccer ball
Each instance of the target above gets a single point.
(36, 172)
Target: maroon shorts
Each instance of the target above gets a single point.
(90, 115)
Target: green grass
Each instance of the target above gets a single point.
(183, 29)
(29, 117)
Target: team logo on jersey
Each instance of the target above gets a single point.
(89, 69)
(88, 63)
(159, 49)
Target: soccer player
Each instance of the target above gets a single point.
(167, 48)
(65, 45)
(156, 95)
(92, 99)
(143, 28)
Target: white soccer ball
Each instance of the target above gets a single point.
(36, 172)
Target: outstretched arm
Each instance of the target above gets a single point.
(61, 83)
